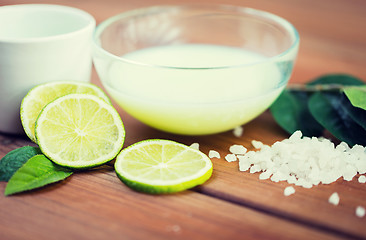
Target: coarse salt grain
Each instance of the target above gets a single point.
(360, 211)
(195, 146)
(334, 199)
(265, 175)
(238, 131)
(238, 149)
(305, 161)
(243, 165)
(362, 179)
(213, 154)
(288, 191)
(257, 144)
(231, 157)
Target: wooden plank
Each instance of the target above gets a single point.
(96, 205)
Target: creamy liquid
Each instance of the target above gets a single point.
(207, 89)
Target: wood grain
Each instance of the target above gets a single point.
(232, 204)
(96, 205)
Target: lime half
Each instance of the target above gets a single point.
(162, 166)
(79, 131)
(42, 94)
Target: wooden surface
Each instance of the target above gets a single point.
(232, 204)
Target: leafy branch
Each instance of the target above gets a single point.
(323, 87)
(336, 103)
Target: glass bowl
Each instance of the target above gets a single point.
(195, 69)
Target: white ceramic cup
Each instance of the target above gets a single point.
(40, 43)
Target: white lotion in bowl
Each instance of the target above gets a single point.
(195, 95)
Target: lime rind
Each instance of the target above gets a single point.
(40, 95)
(165, 188)
(159, 186)
(74, 155)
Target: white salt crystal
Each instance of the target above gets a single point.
(243, 165)
(295, 136)
(245, 157)
(265, 175)
(361, 166)
(291, 179)
(282, 176)
(284, 169)
(213, 154)
(277, 176)
(237, 149)
(195, 146)
(307, 184)
(334, 199)
(315, 181)
(342, 147)
(358, 150)
(257, 144)
(238, 131)
(288, 191)
(360, 211)
(300, 182)
(231, 158)
(349, 172)
(255, 168)
(248, 158)
(327, 180)
(362, 179)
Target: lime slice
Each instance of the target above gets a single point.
(162, 166)
(42, 94)
(79, 131)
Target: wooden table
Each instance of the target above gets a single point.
(232, 204)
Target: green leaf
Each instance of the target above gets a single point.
(357, 114)
(342, 79)
(357, 96)
(291, 112)
(12, 161)
(36, 172)
(328, 110)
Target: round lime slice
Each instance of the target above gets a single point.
(79, 131)
(162, 166)
(42, 94)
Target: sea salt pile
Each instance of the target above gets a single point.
(304, 161)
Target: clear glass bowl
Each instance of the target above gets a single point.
(195, 69)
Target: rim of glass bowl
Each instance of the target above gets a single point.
(239, 9)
